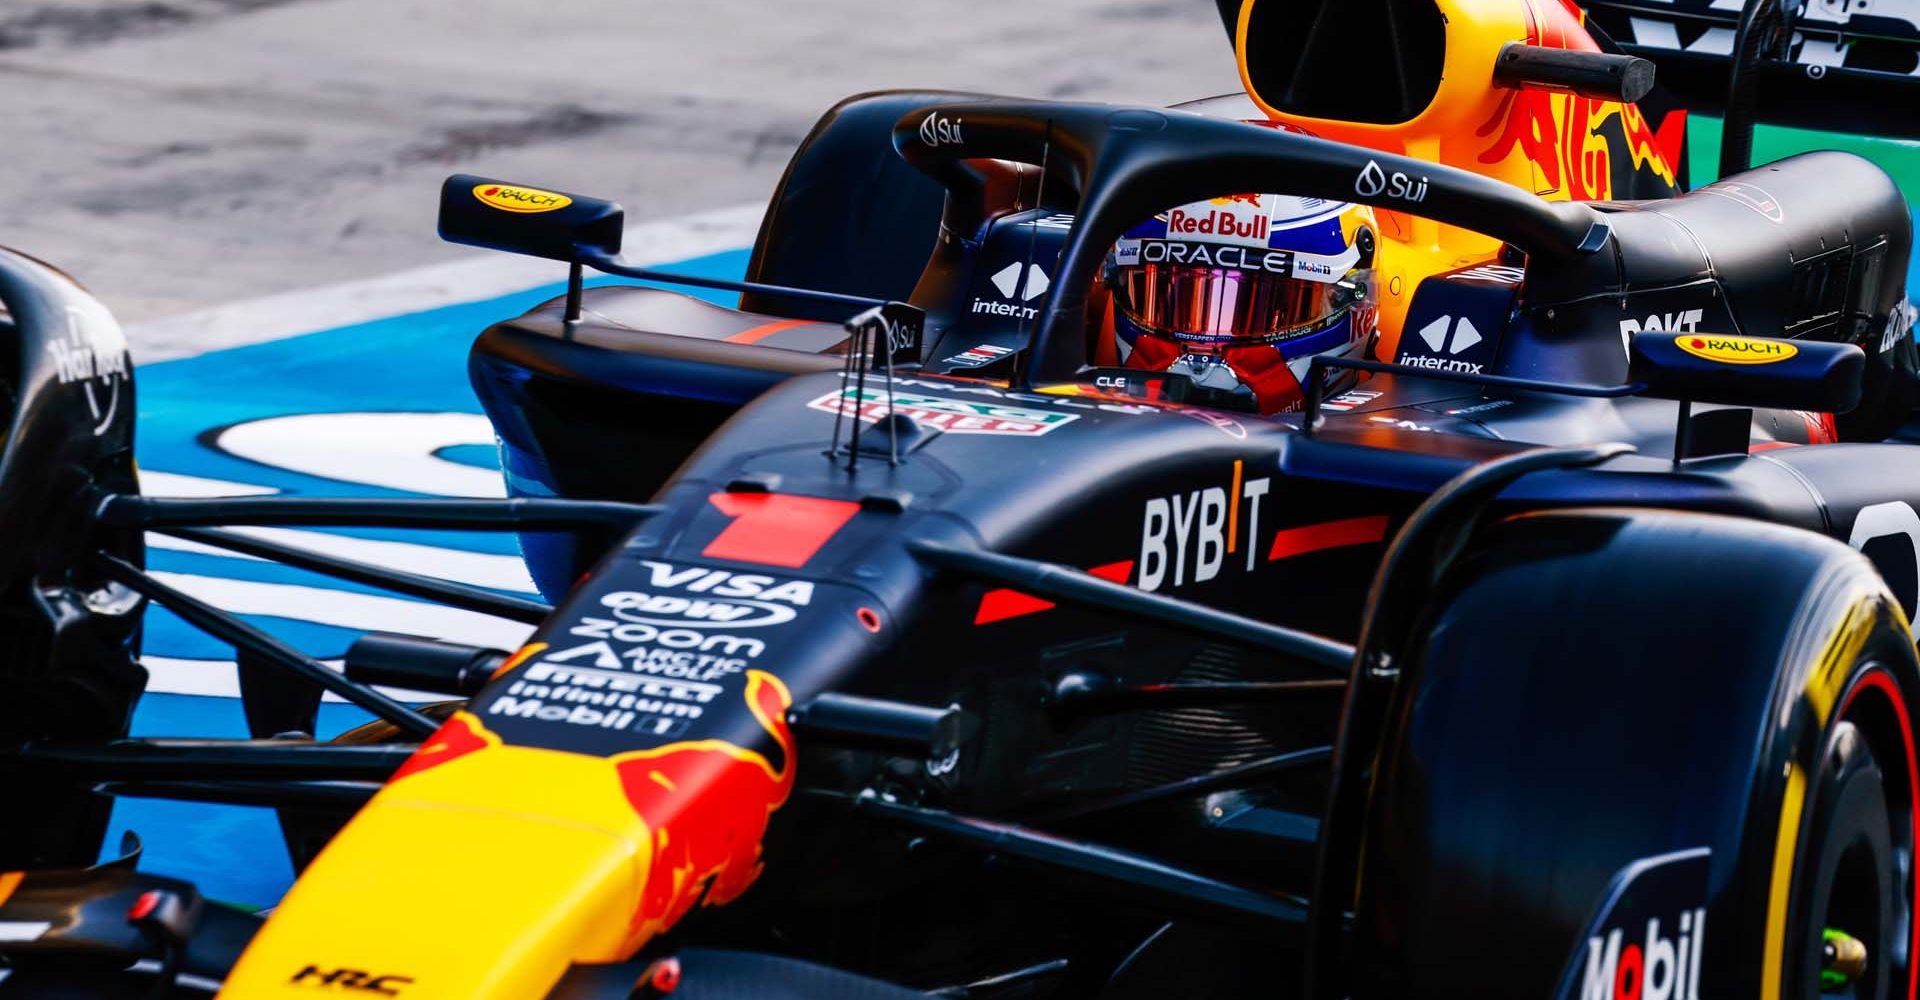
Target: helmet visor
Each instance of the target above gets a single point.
(1229, 293)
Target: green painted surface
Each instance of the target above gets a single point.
(1898, 157)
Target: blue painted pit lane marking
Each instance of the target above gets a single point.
(318, 415)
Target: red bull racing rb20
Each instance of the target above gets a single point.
(1384, 536)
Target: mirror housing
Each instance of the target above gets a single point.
(498, 215)
(1760, 372)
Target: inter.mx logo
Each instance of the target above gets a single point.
(1007, 280)
(1447, 337)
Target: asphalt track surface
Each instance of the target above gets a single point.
(182, 154)
(250, 186)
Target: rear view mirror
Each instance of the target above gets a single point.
(481, 212)
(1748, 371)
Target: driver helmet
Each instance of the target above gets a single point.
(1239, 293)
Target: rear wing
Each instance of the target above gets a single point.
(1832, 65)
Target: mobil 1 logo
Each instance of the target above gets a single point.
(1646, 940)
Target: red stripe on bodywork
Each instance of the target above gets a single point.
(1000, 605)
(754, 335)
(776, 529)
(1331, 535)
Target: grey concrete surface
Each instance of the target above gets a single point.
(180, 154)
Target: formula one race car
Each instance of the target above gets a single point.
(1481, 570)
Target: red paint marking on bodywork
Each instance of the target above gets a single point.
(1331, 535)
(776, 529)
(706, 805)
(457, 737)
(1000, 605)
(759, 333)
(145, 905)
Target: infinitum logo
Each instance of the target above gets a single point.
(1007, 280)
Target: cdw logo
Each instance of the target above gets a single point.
(350, 979)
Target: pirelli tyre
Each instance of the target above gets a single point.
(1640, 755)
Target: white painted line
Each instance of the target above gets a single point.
(15, 931)
(479, 569)
(344, 609)
(399, 451)
(173, 484)
(221, 679)
(486, 276)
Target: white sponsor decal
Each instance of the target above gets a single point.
(1185, 536)
(1443, 364)
(721, 599)
(1350, 399)
(1658, 967)
(1685, 321)
(1480, 407)
(1461, 336)
(1374, 181)
(1008, 281)
(93, 355)
(671, 652)
(13, 931)
(1496, 273)
(1034, 398)
(977, 355)
(1242, 220)
(603, 699)
(937, 129)
(953, 416)
(1324, 268)
(1884, 520)
(1203, 255)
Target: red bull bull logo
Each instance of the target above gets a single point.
(457, 737)
(1581, 148)
(706, 804)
